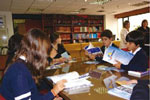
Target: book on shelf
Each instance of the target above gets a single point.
(75, 83)
(112, 54)
(138, 74)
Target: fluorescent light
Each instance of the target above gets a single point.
(4, 37)
(100, 2)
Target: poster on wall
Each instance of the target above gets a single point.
(2, 21)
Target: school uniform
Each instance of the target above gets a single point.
(18, 84)
(60, 51)
(138, 63)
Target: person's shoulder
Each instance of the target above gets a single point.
(18, 67)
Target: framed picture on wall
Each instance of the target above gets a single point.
(2, 21)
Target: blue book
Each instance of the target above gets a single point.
(113, 54)
(95, 50)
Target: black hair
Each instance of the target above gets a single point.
(54, 37)
(125, 23)
(14, 43)
(144, 22)
(106, 33)
(136, 37)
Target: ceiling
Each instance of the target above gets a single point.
(70, 6)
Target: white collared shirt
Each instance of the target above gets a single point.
(22, 57)
(108, 46)
(138, 49)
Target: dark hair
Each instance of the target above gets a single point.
(125, 23)
(14, 43)
(36, 47)
(106, 33)
(136, 37)
(54, 37)
(144, 22)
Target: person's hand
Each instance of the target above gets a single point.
(117, 65)
(59, 86)
(92, 56)
(86, 53)
(132, 82)
(100, 55)
(58, 98)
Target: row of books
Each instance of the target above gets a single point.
(65, 36)
(86, 36)
(88, 29)
(63, 29)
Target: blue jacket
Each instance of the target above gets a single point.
(18, 84)
(138, 63)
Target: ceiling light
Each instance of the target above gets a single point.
(100, 2)
(85, 0)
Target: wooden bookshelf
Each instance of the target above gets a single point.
(74, 27)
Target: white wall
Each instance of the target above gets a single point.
(9, 23)
(111, 23)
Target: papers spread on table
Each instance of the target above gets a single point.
(75, 83)
(112, 54)
(106, 68)
(65, 55)
(124, 91)
(92, 62)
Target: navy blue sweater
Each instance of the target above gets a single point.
(18, 84)
(138, 63)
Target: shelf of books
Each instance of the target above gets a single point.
(73, 27)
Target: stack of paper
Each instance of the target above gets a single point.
(138, 74)
(75, 83)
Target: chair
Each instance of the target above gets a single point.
(3, 59)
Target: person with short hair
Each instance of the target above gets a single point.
(140, 61)
(123, 34)
(106, 37)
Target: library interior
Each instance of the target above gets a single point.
(74, 49)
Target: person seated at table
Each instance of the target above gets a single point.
(57, 49)
(30, 59)
(140, 61)
(106, 37)
(13, 46)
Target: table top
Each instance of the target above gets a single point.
(98, 91)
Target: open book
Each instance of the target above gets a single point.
(123, 91)
(75, 82)
(93, 50)
(112, 54)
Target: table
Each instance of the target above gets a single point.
(98, 91)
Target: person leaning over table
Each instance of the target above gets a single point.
(30, 58)
(106, 37)
(57, 49)
(140, 61)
